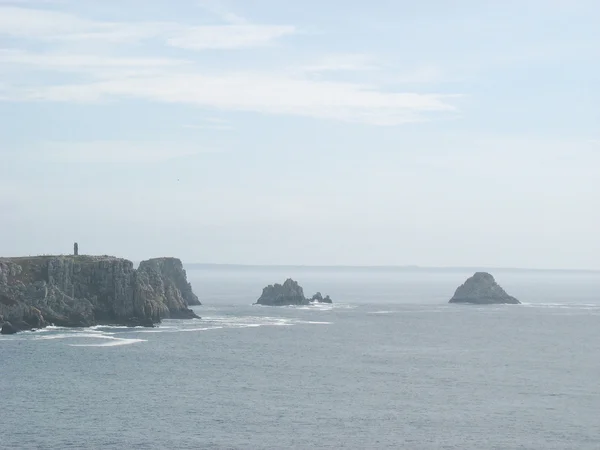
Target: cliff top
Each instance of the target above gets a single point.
(43, 258)
(32, 267)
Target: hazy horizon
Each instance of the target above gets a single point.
(197, 265)
(194, 265)
(324, 134)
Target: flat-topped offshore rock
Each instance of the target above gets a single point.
(288, 293)
(482, 289)
(82, 290)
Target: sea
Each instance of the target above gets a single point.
(390, 365)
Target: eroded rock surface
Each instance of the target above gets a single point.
(78, 291)
(288, 293)
(482, 289)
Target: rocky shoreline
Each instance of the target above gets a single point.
(84, 290)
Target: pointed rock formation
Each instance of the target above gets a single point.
(482, 289)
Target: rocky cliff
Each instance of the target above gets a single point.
(482, 288)
(89, 290)
(288, 293)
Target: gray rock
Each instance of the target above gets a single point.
(171, 270)
(482, 289)
(318, 298)
(8, 328)
(87, 290)
(288, 293)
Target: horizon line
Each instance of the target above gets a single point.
(387, 266)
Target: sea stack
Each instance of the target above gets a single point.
(482, 289)
(288, 293)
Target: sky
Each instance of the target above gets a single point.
(388, 132)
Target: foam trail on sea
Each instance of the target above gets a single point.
(582, 306)
(74, 336)
(313, 322)
(201, 329)
(115, 343)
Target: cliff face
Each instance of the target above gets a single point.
(87, 290)
(172, 272)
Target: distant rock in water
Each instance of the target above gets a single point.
(288, 293)
(83, 290)
(319, 298)
(482, 289)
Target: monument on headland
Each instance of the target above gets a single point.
(75, 249)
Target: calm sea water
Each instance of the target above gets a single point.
(389, 365)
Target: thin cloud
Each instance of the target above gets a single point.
(114, 152)
(112, 75)
(229, 36)
(210, 123)
(29, 23)
(216, 8)
(269, 94)
(342, 62)
(81, 62)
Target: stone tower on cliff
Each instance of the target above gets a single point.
(75, 249)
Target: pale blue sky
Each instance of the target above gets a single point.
(434, 133)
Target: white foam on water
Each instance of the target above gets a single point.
(116, 343)
(201, 329)
(313, 322)
(313, 306)
(159, 329)
(74, 335)
(577, 306)
(49, 328)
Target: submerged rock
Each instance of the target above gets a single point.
(482, 289)
(81, 291)
(288, 293)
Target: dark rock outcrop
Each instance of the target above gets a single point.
(320, 299)
(176, 285)
(80, 291)
(8, 328)
(482, 289)
(288, 293)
